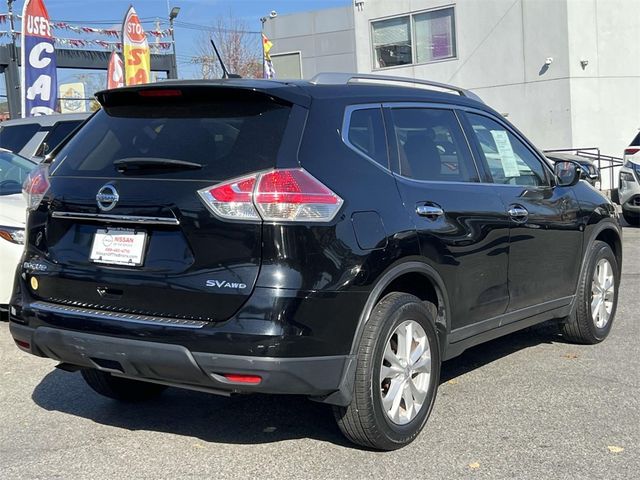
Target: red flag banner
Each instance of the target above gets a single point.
(115, 73)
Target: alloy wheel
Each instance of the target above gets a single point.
(405, 372)
(602, 293)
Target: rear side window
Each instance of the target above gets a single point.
(227, 137)
(636, 141)
(431, 146)
(15, 137)
(366, 134)
(508, 159)
(57, 133)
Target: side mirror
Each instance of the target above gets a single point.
(567, 173)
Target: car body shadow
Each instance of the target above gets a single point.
(243, 419)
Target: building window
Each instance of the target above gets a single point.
(435, 35)
(415, 38)
(392, 42)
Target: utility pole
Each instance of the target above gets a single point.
(263, 20)
(172, 16)
(12, 74)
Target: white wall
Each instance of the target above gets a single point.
(325, 39)
(502, 46)
(605, 94)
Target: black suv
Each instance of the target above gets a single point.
(338, 238)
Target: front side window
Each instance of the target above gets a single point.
(366, 134)
(415, 38)
(508, 159)
(431, 146)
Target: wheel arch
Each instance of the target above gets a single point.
(398, 275)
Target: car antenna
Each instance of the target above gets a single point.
(225, 73)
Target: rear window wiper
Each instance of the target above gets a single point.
(151, 163)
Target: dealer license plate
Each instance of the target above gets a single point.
(118, 247)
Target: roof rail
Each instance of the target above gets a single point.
(341, 78)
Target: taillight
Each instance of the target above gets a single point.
(35, 186)
(232, 200)
(279, 195)
(631, 150)
(294, 195)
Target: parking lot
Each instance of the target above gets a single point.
(525, 406)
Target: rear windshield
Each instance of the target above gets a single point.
(227, 137)
(15, 137)
(636, 141)
(57, 133)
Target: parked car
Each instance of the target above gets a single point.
(590, 171)
(36, 136)
(629, 188)
(14, 169)
(336, 238)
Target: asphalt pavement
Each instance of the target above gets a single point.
(528, 405)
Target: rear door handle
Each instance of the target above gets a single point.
(432, 212)
(518, 213)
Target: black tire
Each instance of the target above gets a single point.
(364, 421)
(118, 388)
(632, 219)
(580, 327)
(615, 196)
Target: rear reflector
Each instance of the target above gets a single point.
(631, 151)
(35, 186)
(22, 343)
(279, 195)
(237, 378)
(165, 92)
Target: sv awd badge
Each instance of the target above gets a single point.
(225, 284)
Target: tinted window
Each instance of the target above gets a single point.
(366, 134)
(13, 172)
(228, 138)
(431, 146)
(508, 159)
(636, 141)
(57, 133)
(15, 137)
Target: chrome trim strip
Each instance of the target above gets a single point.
(102, 217)
(124, 317)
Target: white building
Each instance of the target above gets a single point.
(566, 72)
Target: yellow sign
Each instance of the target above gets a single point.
(72, 99)
(135, 48)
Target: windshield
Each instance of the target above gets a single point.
(15, 137)
(13, 172)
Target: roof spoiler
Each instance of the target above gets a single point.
(339, 78)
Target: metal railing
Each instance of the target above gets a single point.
(603, 162)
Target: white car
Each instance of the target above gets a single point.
(14, 169)
(629, 188)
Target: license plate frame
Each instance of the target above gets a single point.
(121, 247)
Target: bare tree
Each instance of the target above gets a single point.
(240, 49)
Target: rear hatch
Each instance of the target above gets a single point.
(125, 229)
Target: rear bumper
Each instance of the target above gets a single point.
(176, 365)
